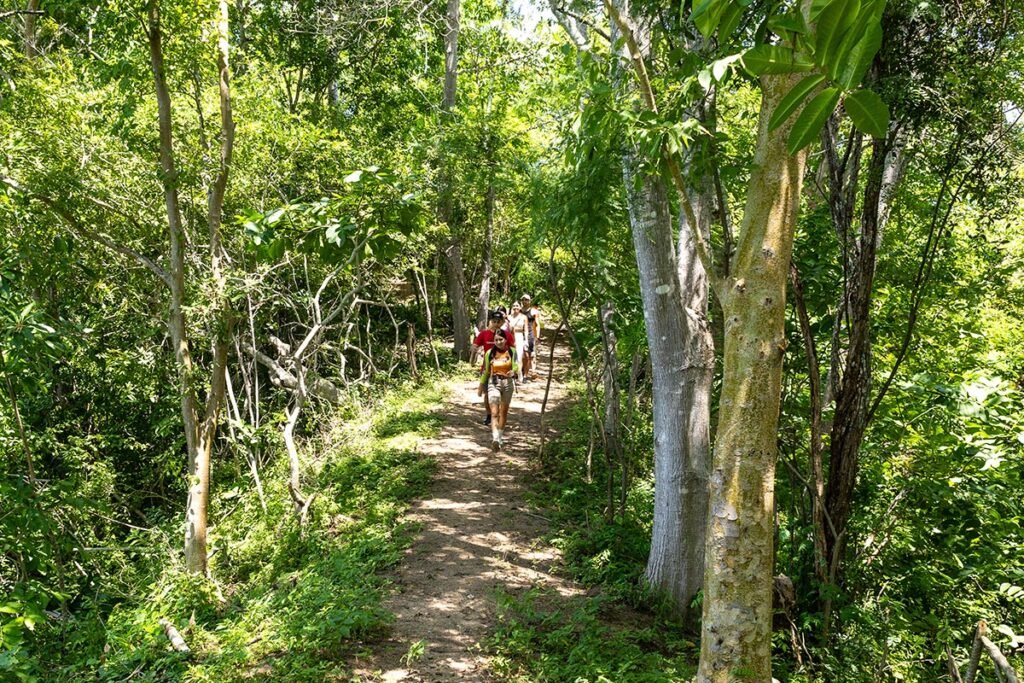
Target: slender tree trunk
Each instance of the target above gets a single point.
(428, 314)
(13, 396)
(817, 482)
(199, 435)
(736, 637)
(446, 212)
(29, 30)
(853, 383)
(195, 530)
(484, 300)
(451, 54)
(612, 421)
(457, 299)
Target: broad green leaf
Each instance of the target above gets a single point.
(707, 14)
(790, 22)
(354, 177)
(854, 63)
(774, 59)
(817, 7)
(833, 25)
(808, 125)
(868, 112)
(731, 18)
(793, 99)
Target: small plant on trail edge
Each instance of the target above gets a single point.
(415, 653)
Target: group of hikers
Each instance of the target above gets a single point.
(508, 344)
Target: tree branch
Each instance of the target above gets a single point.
(14, 12)
(647, 91)
(82, 231)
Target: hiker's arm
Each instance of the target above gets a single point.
(485, 374)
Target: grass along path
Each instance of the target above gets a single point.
(477, 540)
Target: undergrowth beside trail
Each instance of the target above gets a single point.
(619, 632)
(282, 604)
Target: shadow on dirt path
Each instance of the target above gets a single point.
(477, 537)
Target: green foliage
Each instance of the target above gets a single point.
(282, 603)
(543, 638)
(624, 633)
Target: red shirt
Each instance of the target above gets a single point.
(485, 338)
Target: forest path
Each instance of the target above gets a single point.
(476, 538)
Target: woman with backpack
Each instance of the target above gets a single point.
(498, 383)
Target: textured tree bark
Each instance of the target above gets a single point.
(737, 616)
(852, 385)
(674, 293)
(675, 564)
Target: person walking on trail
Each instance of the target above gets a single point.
(484, 341)
(517, 324)
(532, 314)
(497, 384)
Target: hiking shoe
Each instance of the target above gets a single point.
(495, 445)
(487, 420)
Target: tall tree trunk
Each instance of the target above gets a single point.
(484, 300)
(675, 564)
(446, 213)
(29, 30)
(736, 638)
(683, 360)
(195, 529)
(612, 421)
(199, 435)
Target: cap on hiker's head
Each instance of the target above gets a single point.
(497, 315)
(525, 297)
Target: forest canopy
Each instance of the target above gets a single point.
(777, 250)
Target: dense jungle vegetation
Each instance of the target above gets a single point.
(244, 247)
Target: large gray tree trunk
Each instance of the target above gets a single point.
(676, 562)
(674, 294)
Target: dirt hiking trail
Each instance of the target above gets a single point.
(477, 537)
